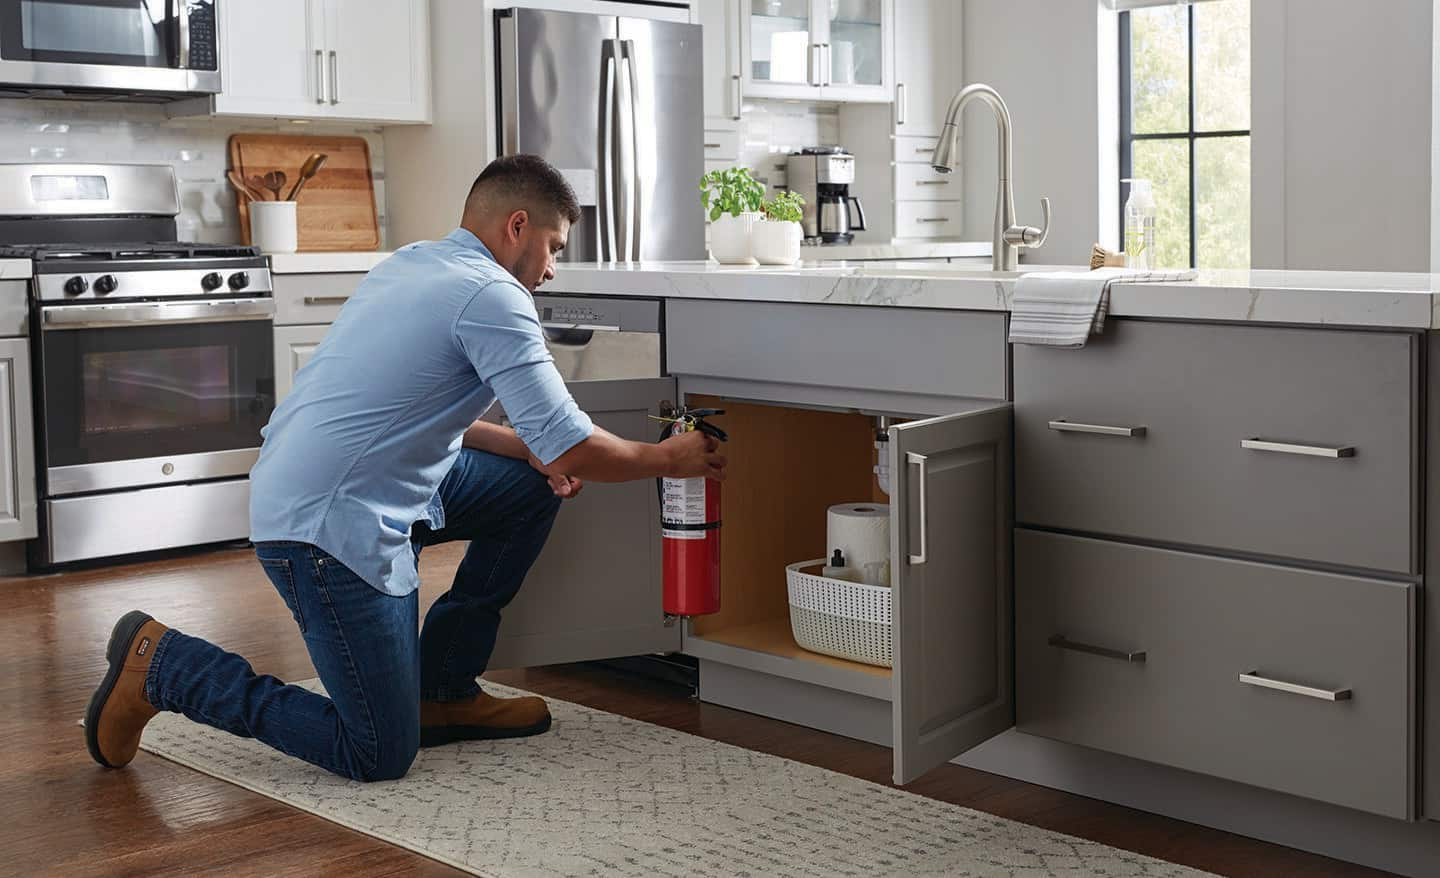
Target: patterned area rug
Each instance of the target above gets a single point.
(601, 794)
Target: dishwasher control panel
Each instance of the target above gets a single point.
(585, 312)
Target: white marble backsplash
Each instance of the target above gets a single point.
(771, 130)
(86, 131)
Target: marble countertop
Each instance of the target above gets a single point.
(898, 250)
(15, 269)
(1369, 299)
(337, 262)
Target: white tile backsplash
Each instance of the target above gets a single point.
(771, 130)
(77, 131)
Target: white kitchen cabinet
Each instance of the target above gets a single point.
(294, 346)
(927, 64)
(354, 60)
(830, 50)
(720, 20)
(18, 519)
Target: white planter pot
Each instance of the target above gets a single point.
(730, 239)
(776, 243)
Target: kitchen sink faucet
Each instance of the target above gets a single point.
(1009, 237)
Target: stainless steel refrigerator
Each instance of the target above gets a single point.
(615, 104)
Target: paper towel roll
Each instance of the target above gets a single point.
(861, 531)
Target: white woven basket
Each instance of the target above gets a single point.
(848, 620)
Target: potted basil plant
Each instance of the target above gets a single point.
(731, 198)
(775, 239)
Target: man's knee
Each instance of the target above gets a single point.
(392, 759)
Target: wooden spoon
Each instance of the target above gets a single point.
(308, 170)
(257, 182)
(238, 182)
(275, 181)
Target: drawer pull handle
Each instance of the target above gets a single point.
(326, 300)
(932, 219)
(1253, 678)
(920, 460)
(932, 182)
(924, 150)
(712, 146)
(1060, 641)
(1061, 425)
(1293, 448)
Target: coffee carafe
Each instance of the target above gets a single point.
(822, 175)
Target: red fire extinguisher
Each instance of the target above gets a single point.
(690, 527)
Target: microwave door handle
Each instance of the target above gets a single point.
(182, 33)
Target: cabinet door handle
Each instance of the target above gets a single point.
(932, 182)
(924, 150)
(735, 108)
(1063, 426)
(1256, 444)
(932, 219)
(1060, 641)
(326, 300)
(1253, 678)
(319, 76)
(921, 461)
(900, 107)
(334, 77)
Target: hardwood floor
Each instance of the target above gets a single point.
(62, 814)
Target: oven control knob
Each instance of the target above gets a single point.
(105, 284)
(239, 280)
(212, 281)
(75, 286)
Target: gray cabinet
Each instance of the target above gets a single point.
(18, 517)
(594, 592)
(1296, 443)
(294, 346)
(1287, 679)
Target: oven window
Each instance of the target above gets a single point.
(141, 391)
(112, 394)
(114, 32)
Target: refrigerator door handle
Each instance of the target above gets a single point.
(634, 216)
(605, 210)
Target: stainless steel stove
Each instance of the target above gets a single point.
(153, 360)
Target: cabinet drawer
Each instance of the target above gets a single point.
(1201, 623)
(722, 145)
(1232, 426)
(927, 219)
(917, 182)
(312, 298)
(944, 353)
(915, 149)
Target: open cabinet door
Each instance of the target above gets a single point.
(594, 592)
(952, 601)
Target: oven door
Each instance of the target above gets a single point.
(109, 45)
(153, 393)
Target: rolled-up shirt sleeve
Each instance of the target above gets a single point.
(502, 338)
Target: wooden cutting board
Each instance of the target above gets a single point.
(336, 209)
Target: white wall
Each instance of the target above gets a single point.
(1041, 55)
(1341, 134)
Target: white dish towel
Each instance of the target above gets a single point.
(1063, 308)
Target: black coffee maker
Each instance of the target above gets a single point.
(822, 175)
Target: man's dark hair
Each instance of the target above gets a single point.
(523, 182)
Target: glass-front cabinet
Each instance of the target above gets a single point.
(835, 50)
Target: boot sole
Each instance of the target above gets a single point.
(115, 652)
(436, 736)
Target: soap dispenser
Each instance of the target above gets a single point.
(836, 569)
(1140, 225)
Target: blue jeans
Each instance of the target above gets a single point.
(363, 642)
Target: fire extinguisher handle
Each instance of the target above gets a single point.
(710, 429)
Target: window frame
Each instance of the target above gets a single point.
(1190, 135)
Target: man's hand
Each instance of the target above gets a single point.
(694, 454)
(566, 487)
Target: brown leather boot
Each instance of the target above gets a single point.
(482, 718)
(119, 709)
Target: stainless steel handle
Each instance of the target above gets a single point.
(932, 219)
(1060, 641)
(630, 160)
(1063, 426)
(811, 64)
(319, 76)
(594, 327)
(712, 146)
(326, 300)
(735, 108)
(1295, 448)
(182, 26)
(826, 74)
(900, 107)
(93, 316)
(606, 208)
(1253, 678)
(920, 460)
(334, 77)
(932, 182)
(924, 150)
(1029, 236)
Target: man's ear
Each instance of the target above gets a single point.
(516, 223)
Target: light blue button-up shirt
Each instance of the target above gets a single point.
(355, 454)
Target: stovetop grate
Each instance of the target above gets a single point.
(129, 250)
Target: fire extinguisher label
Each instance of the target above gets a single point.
(682, 512)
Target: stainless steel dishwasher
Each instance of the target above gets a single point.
(602, 339)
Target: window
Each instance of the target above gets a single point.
(1185, 125)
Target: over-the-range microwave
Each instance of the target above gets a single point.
(155, 49)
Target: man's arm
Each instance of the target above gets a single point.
(605, 457)
(485, 436)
